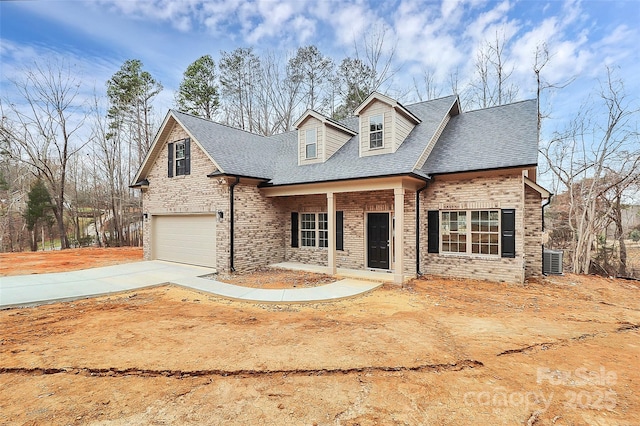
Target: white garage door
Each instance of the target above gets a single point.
(185, 239)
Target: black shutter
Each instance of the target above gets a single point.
(170, 157)
(187, 156)
(339, 230)
(508, 223)
(294, 229)
(433, 234)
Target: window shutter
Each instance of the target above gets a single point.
(508, 224)
(433, 234)
(187, 156)
(170, 157)
(294, 229)
(339, 230)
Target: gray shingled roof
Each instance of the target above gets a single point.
(236, 151)
(491, 138)
(468, 142)
(346, 163)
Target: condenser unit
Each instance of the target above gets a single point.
(552, 262)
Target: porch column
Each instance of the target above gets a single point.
(398, 249)
(331, 225)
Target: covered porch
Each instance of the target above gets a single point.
(358, 228)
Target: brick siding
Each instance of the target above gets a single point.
(480, 192)
(193, 193)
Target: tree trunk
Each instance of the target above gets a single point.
(622, 269)
(34, 244)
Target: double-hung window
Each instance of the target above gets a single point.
(375, 131)
(311, 144)
(323, 230)
(314, 230)
(308, 229)
(470, 231)
(454, 232)
(181, 159)
(485, 232)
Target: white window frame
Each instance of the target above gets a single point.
(376, 127)
(179, 160)
(307, 144)
(319, 234)
(470, 228)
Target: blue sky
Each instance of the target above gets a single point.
(98, 36)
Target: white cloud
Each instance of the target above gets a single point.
(478, 29)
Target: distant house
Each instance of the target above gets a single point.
(422, 188)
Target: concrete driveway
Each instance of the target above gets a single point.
(37, 289)
(24, 290)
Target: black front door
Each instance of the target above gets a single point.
(378, 240)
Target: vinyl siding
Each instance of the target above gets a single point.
(335, 139)
(403, 128)
(309, 124)
(376, 108)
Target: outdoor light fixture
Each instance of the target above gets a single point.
(220, 215)
(145, 216)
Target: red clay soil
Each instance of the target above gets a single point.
(42, 262)
(558, 351)
(276, 278)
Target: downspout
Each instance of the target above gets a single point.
(418, 272)
(543, 206)
(231, 223)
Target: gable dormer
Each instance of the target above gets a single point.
(384, 124)
(319, 137)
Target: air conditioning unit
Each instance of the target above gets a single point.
(552, 262)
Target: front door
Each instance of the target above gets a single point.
(378, 240)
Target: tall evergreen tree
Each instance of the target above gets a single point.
(38, 210)
(198, 91)
(353, 82)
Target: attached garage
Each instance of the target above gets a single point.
(185, 239)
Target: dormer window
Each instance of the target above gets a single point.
(311, 145)
(375, 131)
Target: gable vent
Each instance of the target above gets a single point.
(552, 262)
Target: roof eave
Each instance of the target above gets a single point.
(422, 177)
(489, 169)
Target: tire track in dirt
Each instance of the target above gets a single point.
(181, 374)
(624, 327)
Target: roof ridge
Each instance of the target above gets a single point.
(217, 122)
(429, 100)
(500, 106)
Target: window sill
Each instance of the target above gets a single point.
(471, 256)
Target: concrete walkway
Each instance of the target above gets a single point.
(26, 290)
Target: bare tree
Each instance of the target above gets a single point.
(313, 72)
(491, 86)
(427, 88)
(42, 130)
(283, 86)
(592, 157)
(374, 51)
(240, 75)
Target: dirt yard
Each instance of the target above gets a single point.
(42, 262)
(562, 351)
